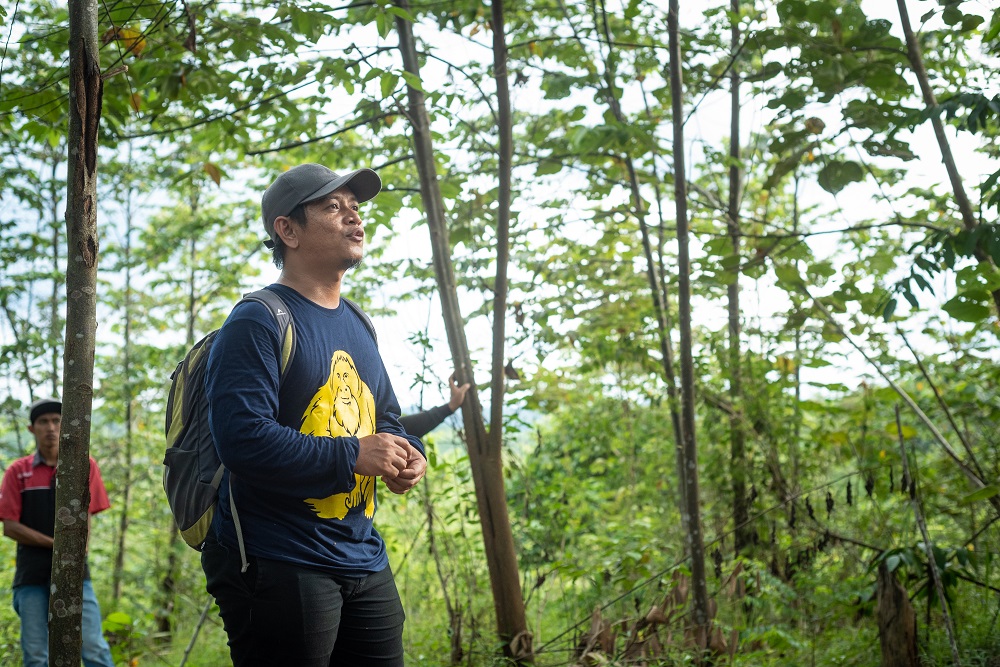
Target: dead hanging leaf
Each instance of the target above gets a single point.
(190, 41)
(132, 40)
(475, 28)
(593, 659)
(213, 172)
(511, 372)
(785, 364)
(600, 632)
(681, 587)
(814, 125)
(717, 642)
(656, 616)
(731, 586)
(136, 101)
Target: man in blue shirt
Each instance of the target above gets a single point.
(305, 452)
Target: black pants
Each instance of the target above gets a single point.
(279, 614)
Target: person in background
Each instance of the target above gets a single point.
(422, 423)
(28, 511)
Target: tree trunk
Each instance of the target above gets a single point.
(168, 592)
(454, 610)
(797, 415)
(916, 59)
(484, 459)
(688, 462)
(655, 281)
(126, 498)
(737, 435)
(55, 331)
(505, 151)
(72, 479)
(928, 547)
(897, 622)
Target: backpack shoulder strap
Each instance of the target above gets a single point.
(286, 326)
(363, 315)
(286, 340)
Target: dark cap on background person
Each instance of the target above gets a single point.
(307, 182)
(43, 406)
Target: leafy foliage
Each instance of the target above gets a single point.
(204, 104)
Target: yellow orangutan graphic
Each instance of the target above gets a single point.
(343, 406)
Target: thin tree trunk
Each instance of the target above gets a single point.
(72, 479)
(737, 436)
(484, 460)
(197, 630)
(656, 282)
(797, 432)
(916, 59)
(689, 451)
(126, 497)
(454, 613)
(944, 407)
(505, 151)
(20, 331)
(928, 545)
(168, 593)
(164, 614)
(55, 331)
(897, 622)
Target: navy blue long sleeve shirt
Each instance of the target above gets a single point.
(290, 453)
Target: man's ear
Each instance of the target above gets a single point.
(31, 428)
(287, 230)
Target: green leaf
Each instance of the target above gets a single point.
(119, 617)
(546, 167)
(835, 175)
(952, 15)
(117, 621)
(413, 81)
(784, 167)
(890, 308)
(768, 71)
(892, 562)
(788, 274)
(966, 311)
(994, 30)
(401, 13)
(388, 82)
(982, 494)
(971, 22)
(907, 431)
(383, 23)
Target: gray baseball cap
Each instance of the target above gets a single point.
(307, 182)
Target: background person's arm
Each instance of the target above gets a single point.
(21, 534)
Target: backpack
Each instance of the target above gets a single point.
(193, 471)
